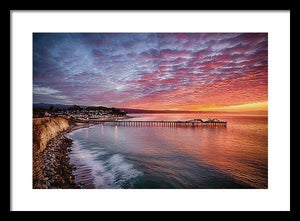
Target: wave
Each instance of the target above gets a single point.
(109, 170)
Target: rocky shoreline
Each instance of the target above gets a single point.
(51, 167)
(54, 168)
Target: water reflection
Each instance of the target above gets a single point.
(239, 150)
(189, 157)
(87, 133)
(116, 133)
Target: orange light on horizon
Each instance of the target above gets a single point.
(258, 106)
(252, 107)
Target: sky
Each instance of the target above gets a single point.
(155, 71)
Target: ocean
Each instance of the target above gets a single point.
(161, 157)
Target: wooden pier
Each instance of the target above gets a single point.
(166, 123)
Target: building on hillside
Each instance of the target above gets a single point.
(47, 114)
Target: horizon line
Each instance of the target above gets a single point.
(225, 109)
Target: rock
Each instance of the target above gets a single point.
(55, 168)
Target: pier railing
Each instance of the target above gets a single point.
(167, 123)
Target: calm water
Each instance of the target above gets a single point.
(173, 157)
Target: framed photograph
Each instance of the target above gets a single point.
(160, 110)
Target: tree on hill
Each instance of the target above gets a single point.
(96, 108)
(51, 108)
(116, 111)
(75, 107)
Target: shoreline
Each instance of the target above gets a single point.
(53, 165)
(52, 168)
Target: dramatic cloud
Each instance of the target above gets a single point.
(151, 71)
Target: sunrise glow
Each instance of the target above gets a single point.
(178, 71)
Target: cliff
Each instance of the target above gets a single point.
(44, 129)
(51, 165)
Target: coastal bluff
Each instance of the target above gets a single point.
(44, 129)
(51, 165)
